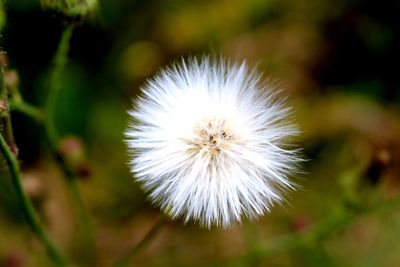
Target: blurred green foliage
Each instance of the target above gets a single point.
(337, 61)
(2, 16)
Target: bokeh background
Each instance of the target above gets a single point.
(338, 63)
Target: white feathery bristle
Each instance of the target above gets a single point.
(206, 142)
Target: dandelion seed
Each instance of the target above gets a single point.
(207, 142)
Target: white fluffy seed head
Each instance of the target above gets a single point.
(207, 142)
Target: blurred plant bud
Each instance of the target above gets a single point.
(11, 78)
(14, 258)
(301, 223)
(3, 107)
(33, 185)
(381, 160)
(73, 152)
(72, 8)
(3, 59)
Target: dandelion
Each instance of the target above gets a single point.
(207, 142)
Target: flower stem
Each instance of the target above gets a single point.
(9, 150)
(60, 60)
(27, 109)
(31, 215)
(5, 119)
(151, 234)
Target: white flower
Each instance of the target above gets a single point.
(206, 141)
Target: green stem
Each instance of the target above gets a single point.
(27, 109)
(9, 151)
(5, 119)
(151, 234)
(31, 215)
(60, 60)
(84, 221)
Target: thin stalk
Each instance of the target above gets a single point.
(60, 60)
(30, 212)
(9, 150)
(5, 118)
(84, 220)
(8, 133)
(151, 234)
(27, 109)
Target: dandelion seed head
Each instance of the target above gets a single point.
(207, 141)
